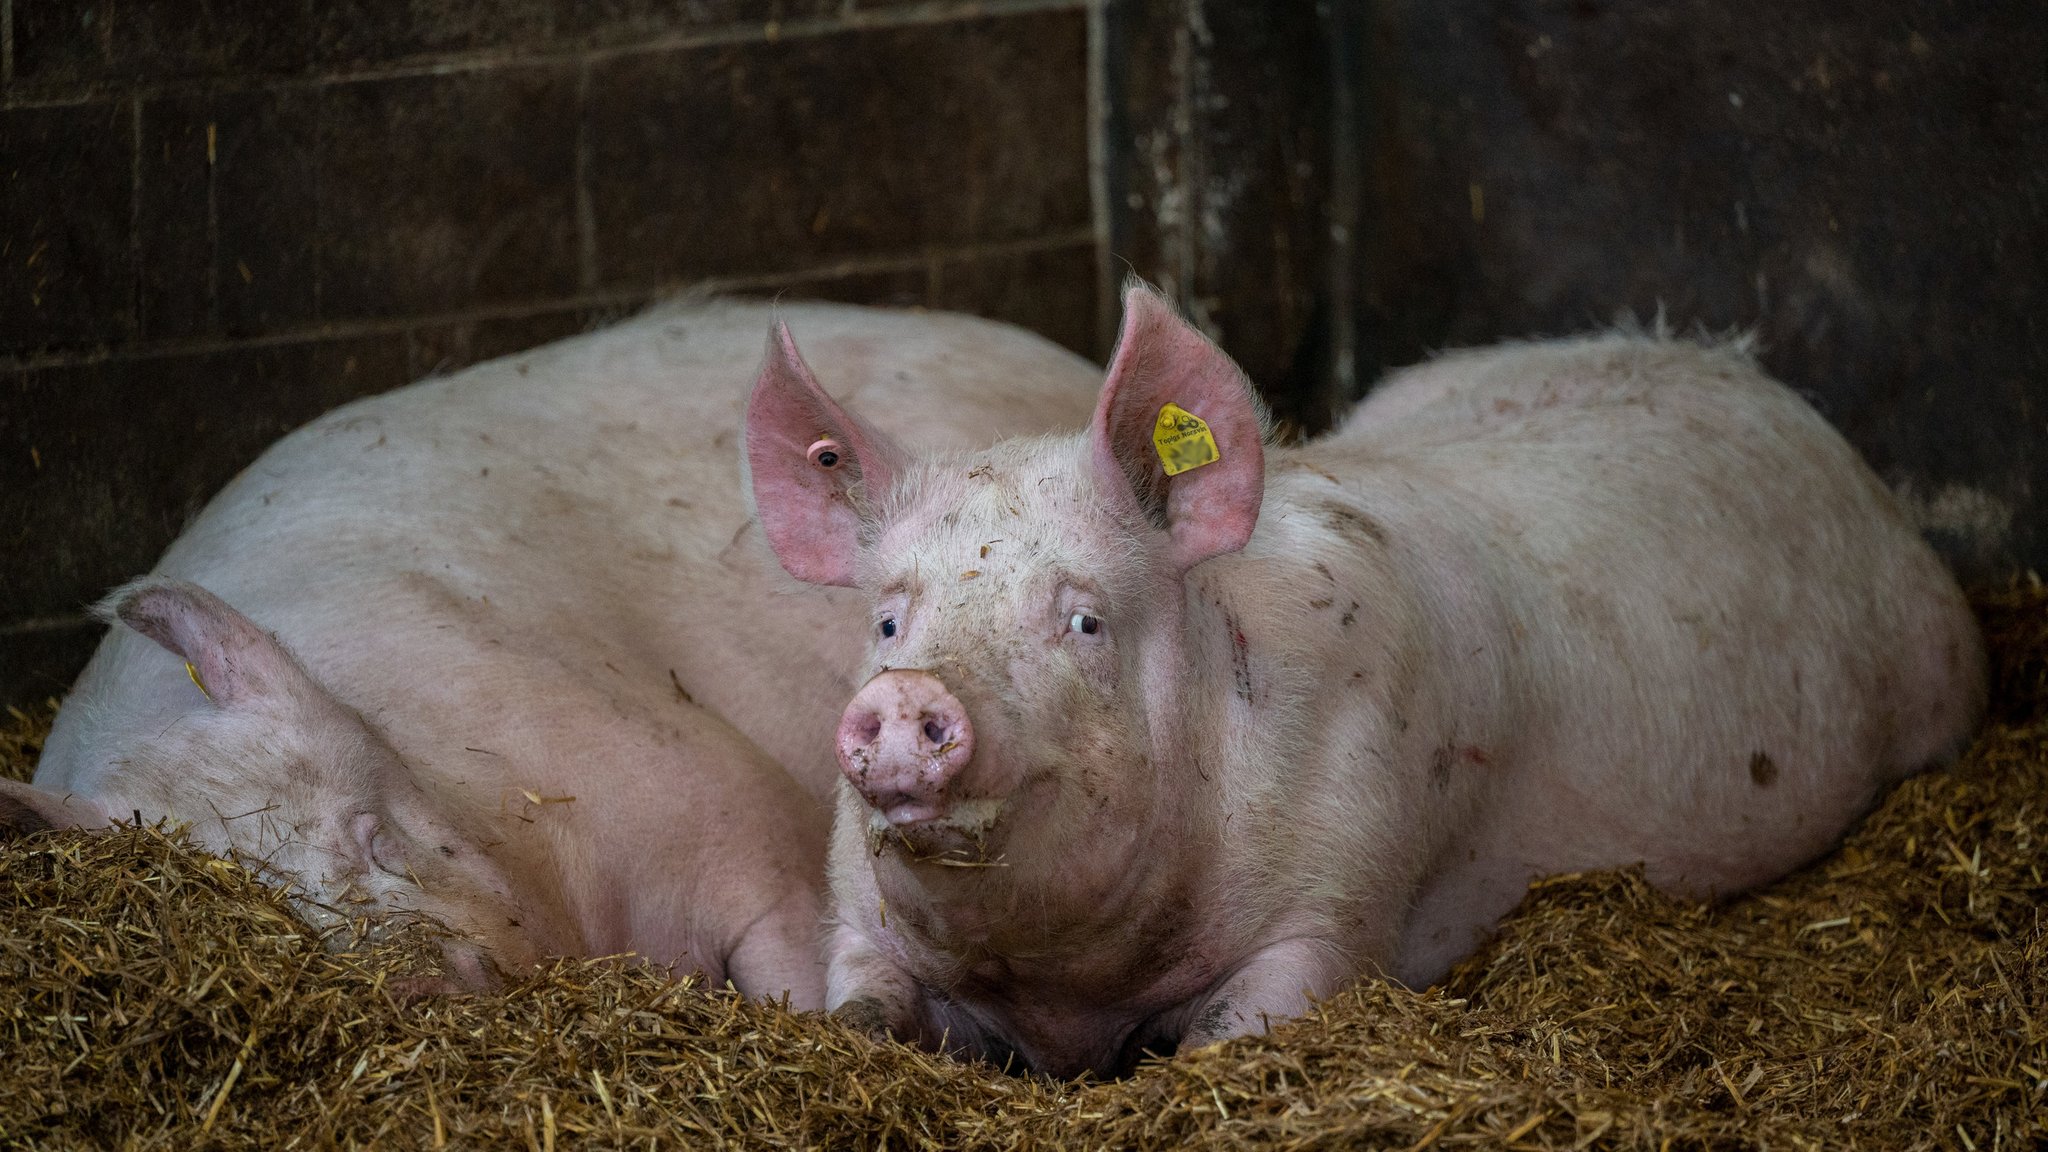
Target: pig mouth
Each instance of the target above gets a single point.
(962, 838)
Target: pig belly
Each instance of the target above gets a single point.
(1716, 842)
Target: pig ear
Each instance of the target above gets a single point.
(816, 469)
(1210, 503)
(25, 809)
(232, 661)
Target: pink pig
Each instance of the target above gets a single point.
(1145, 760)
(506, 650)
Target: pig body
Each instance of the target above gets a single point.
(1130, 773)
(507, 650)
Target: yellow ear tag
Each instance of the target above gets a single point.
(194, 674)
(1183, 441)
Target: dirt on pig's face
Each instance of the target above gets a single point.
(1004, 575)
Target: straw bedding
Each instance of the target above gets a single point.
(1894, 995)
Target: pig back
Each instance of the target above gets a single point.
(1718, 637)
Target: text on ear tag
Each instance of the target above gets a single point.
(1183, 440)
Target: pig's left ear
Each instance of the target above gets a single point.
(232, 660)
(815, 468)
(1179, 432)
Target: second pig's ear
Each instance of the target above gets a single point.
(27, 809)
(815, 469)
(229, 659)
(1179, 434)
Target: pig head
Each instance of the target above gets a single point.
(261, 762)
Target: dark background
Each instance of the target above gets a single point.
(219, 218)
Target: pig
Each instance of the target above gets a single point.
(505, 650)
(1167, 731)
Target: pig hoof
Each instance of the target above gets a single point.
(865, 1014)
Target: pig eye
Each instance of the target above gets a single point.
(1083, 623)
(888, 627)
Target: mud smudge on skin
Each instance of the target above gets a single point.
(1346, 521)
(1240, 657)
(1214, 1017)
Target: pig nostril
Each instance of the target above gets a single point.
(867, 729)
(934, 732)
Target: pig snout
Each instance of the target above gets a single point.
(902, 742)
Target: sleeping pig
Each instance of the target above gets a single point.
(506, 650)
(1165, 731)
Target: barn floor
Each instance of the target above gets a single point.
(1895, 995)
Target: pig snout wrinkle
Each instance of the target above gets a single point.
(902, 741)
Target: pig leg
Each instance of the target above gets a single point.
(1278, 983)
(869, 991)
(779, 953)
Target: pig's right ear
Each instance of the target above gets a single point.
(230, 659)
(26, 809)
(816, 469)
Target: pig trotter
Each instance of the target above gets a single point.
(1278, 983)
(870, 992)
(865, 1014)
